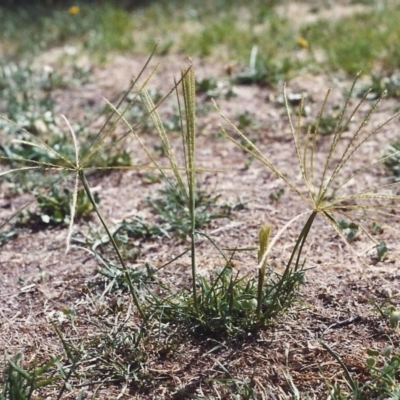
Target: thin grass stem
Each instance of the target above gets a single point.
(115, 246)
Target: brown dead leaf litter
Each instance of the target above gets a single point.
(39, 280)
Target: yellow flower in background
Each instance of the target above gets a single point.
(302, 42)
(73, 10)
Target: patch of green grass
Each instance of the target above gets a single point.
(362, 41)
(23, 380)
(225, 29)
(229, 30)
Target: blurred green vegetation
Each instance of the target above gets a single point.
(222, 30)
(362, 41)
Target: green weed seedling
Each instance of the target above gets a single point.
(383, 382)
(206, 85)
(392, 161)
(349, 229)
(384, 368)
(327, 123)
(381, 250)
(390, 85)
(173, 217)
(275, 196)
(114, 277)
(245, 120)
(213, 88)
(387, 311)
(54, 208)
(5, 236)
(136, 228)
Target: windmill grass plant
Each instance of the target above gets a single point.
(78, 167)
(324, 190)
(225, 302)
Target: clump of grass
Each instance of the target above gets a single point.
(22, 381)
(230, 304)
